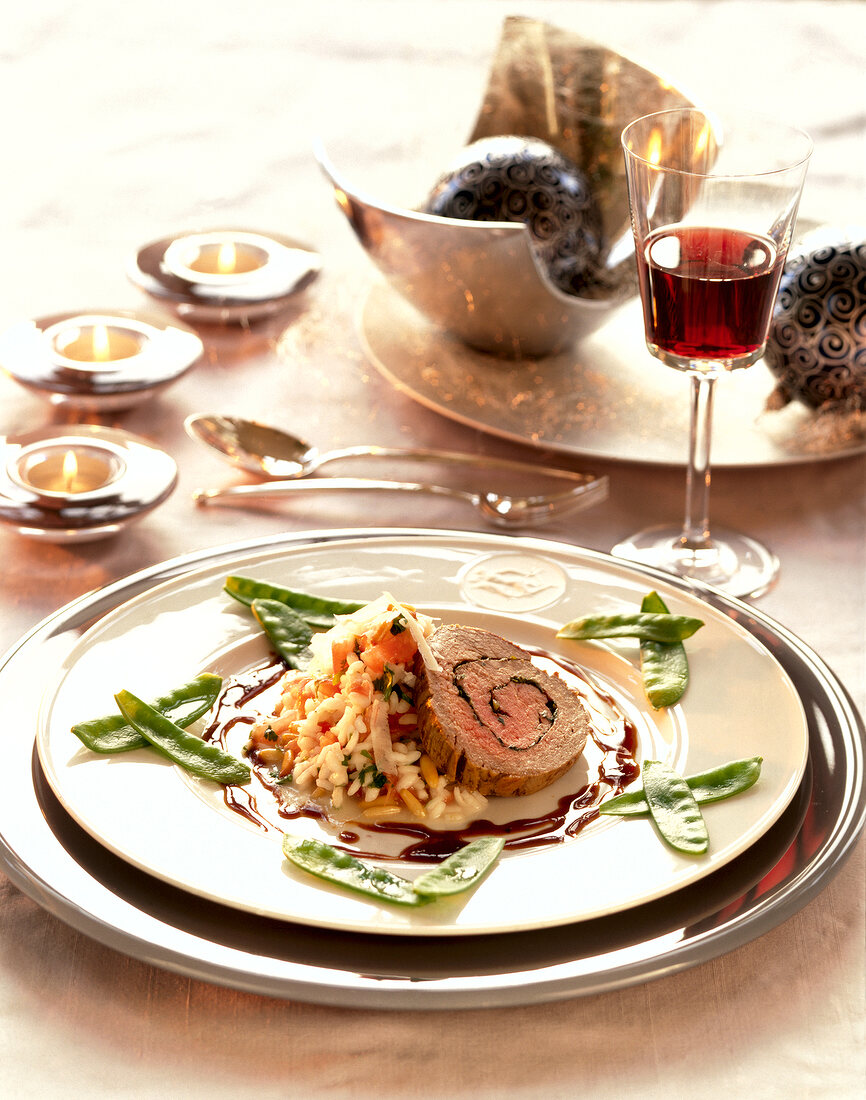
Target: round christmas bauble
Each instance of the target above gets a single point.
(816, 345)
(518, 179)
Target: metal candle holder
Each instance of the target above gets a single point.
(102, 359)
(226, 276)
(80, 483)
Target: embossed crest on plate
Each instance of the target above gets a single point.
(513, 582)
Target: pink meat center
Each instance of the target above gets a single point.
(516, 712)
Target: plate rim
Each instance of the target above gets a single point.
(336, 987)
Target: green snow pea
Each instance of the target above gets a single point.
(461, 870)
(317, 611)
(709, 786)
(332, 865)
(114, 734)
(286, 629)
(674, 810)
(640, 624)
(663, 665)
(190, 752)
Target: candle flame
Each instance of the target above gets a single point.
(101, 348)
(654, 147)
(227, 259)
(70, 470)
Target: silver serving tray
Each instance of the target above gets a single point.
(73, 877)
(605, 398)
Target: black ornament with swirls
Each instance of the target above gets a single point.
(816, 346)
(518, 179)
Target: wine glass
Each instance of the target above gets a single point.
(712, 212)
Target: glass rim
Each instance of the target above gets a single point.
(718, 128)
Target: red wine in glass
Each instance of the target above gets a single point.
(708, 293)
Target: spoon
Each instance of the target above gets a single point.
(501, 509)
(273, 453)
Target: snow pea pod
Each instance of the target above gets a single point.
(288, 632)
(190, 752)
(332, 865)
(674, 810)
(461, 870)
(664, 666)
(710, 786)
(317, 611)
(114, 734)
(646, 626)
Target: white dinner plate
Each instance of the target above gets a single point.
(739, 703)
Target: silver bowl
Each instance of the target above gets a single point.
(482, 281)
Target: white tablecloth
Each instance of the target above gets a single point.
(123, 125)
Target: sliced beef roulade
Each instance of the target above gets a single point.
(493, 721)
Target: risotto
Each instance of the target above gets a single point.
(344, 730)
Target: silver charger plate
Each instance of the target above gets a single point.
(71, 875)
(605, 398)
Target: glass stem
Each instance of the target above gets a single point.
(696, 525)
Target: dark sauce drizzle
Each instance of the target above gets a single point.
(234, 696)
(617, 768)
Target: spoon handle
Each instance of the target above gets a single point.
(240, 493)
(453, 458)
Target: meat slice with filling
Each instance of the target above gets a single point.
(490, 719)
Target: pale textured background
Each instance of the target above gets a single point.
(122, 124)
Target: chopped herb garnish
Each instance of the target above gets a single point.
(401, 692)
(370, 776)
(384, 684)
(387, 686)
(399, 625)
(270, 735)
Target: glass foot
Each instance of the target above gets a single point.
(733, 562)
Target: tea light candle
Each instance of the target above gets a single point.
(224, 275)
(219, 258)
(111, 359)
(69, 471)
(228, 258)
(98, 343)
(72, 468)
(81, 483)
